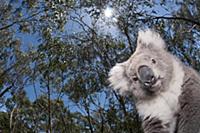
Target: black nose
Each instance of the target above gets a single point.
(146, 75)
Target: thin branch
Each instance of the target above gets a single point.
(177, 18)
(5, 90)
(49, 105)
(89, 117)
(9, 69)
(35, 91)
(128, 38)
(22, 20)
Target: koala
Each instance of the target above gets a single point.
(166, 92)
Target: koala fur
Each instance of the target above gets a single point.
(166, 92)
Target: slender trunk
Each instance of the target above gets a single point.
(34, 87)
(102, 121)
(12, 125)
(89, 118)
(11, 118)
(128, 38)
(49, 108)
(122, 103)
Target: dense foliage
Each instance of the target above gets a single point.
(55, 57)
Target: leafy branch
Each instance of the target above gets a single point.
(22, 20)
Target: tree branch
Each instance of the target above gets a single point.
(177, 18)
(22, 20)
(5, 90)
(49, 105)
(128, 38)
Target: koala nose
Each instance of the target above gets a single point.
(146, 75)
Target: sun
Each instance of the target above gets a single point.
(108, 12)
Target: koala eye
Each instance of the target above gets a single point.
(153, 61)
(135, 78)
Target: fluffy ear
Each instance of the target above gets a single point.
(118, 79)
(149, 38)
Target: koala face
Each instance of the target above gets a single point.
(147, 72)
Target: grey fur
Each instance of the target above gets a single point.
(180, 96)
(189, 113)
(154, 125)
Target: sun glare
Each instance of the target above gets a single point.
(108, 12)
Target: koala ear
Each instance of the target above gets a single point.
(118, 79)
(149, 38)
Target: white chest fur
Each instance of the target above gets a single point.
(166, 104)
